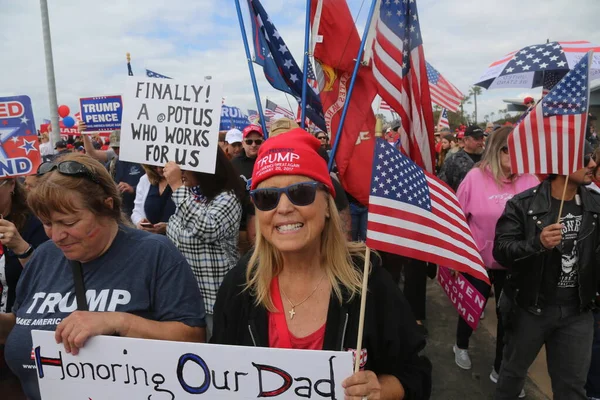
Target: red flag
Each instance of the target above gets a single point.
(336, 52)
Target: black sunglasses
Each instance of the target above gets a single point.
(322, 138)
(586, 159)
(249, 142)
(299, 194)
(504, 149)
(70, 168)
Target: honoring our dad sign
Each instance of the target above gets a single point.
(101, 113)
(123, 368)
(168, 120)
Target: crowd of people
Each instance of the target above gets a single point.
(255, 255)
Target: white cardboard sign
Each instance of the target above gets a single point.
(169, 120)
(124, 368)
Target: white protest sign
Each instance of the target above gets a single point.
(123, 368)
(168, 120)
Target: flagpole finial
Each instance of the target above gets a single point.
(379, 128)
(128, 57)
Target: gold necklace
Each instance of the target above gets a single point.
(292, 312)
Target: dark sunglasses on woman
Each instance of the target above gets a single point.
(70, 168)
(257, 142)
(299, 194)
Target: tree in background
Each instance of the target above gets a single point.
(474, 92)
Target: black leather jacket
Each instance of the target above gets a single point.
(517, 246)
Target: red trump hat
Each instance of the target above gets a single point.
(291, 153)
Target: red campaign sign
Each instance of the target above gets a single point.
(467, 300)
(19, 147)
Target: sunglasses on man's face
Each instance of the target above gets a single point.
(586, 159)
(257, 142)
(299, 194)
(322, 138)
(69, 168)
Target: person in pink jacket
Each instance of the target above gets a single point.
(482, 195)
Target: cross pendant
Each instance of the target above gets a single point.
(292, 313)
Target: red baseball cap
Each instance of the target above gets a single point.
(252, 128)
(528, 100)
(291, 153)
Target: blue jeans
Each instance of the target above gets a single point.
(359, 222)
(567, 334)
(593, 380)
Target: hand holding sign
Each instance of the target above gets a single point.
(171, 121)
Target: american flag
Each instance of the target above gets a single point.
(550, 80)
(443, 93)
(152, 74)
(400, 70)
(286, 64)
(443, 122)
(384, 106)
(550, 139)
(277, 110)
(414, 214)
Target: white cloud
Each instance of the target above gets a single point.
(189, 40)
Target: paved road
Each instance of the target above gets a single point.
(449, 381)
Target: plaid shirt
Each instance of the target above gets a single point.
(207, 235)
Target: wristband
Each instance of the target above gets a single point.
(27, 252)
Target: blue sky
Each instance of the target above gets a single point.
(189, 40)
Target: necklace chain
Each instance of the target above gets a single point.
(292, 312)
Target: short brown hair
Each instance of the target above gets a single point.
(50, 193)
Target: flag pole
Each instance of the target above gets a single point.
(562, 200)
(351, 87)
(363, 303)
(50, 79)
(251, 68)
(305, 66)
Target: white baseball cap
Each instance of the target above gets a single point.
(233, 136)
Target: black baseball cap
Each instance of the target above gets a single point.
(474, 131)
(61, 144)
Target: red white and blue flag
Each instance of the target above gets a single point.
(19, 148)
(276, 110)
(414, 214)
(443, 122)
(384, 106)
(551, 138)
(443, 93)
(400, 69)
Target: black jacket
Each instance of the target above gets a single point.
(390, 334)
(517, 246)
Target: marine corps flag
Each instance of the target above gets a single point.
(336, 51)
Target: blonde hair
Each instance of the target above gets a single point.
(491, 157)
(336, 255)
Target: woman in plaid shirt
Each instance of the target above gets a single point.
(205, 226)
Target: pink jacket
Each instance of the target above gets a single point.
(483, 203)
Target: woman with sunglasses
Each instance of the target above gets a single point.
(205, 225)
(482, 195)
(301, 286)
(137, 284)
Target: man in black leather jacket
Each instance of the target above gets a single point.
(554, 272)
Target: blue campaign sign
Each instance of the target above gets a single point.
(19, 148)
(101, 113)
(233, 117)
